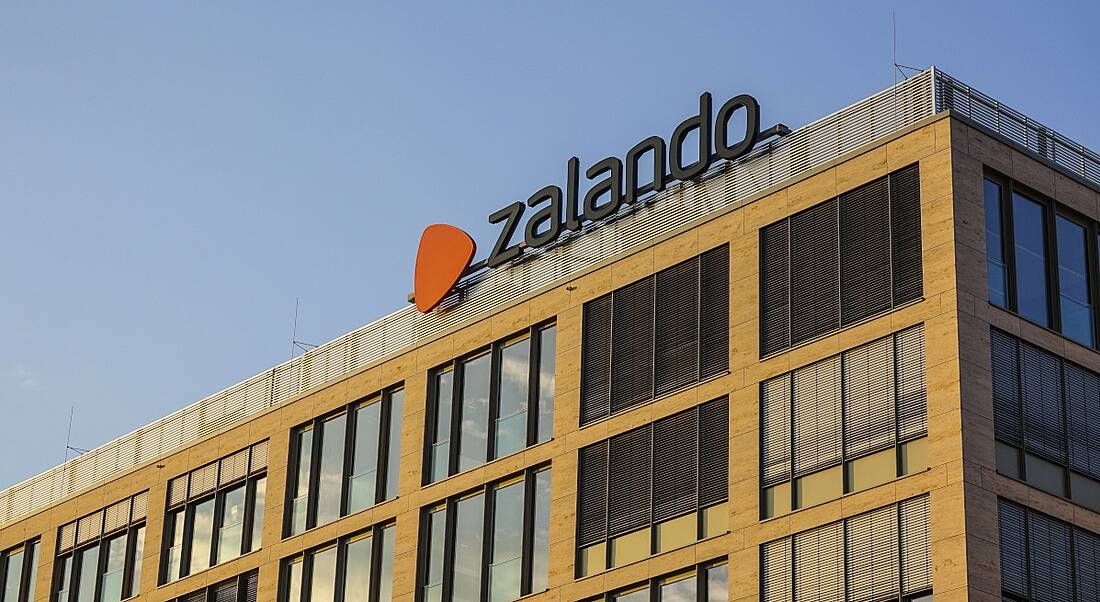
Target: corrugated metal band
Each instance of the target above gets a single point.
(723, 186)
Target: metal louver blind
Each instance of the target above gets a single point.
(1083, 418)
(675, 462)
(233, 467)
(714, 445)
(204, 479)
(632, 345)
(865, 287)
(817, 423)
(1050, 572)
(629, 470)
(775, 396)
(905, 227)
(815, 287)
(871, 555)
(67, 538)
(1013, 530)
(1086, 555)
(775, 583)
(199, 596)
(1041, 386)
(916, 545)
(89, 527)
(177, 490)
(1006, 388)
(592, 494)
(117, 516)
(259, 455)
(226, 592)
(912, 388)
(775, 299)
(596, 360)
(714, 313)
(251, 586)
(140, 507)
(819, 563)
(677, 326)
(869, 398)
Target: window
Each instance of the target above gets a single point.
(840, 262)
(356, 568)
(1043, 558)
(489, 544)
(1041, 260)
(490, 404)
(242, 588)
(99, 556)
(877, 556)
(655, 336)
(705, 583)
(844, 424)
(654, 488)
(1046, 419)
(345, 462)
(214, 513)
(18, 568)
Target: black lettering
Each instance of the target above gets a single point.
(572, 219)
(700, 122)
(549, 215)
(502, 253)
(655, 145)
(613, 184)
(752, 127)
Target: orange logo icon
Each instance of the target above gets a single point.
(441, 260)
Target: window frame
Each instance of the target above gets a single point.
(306, 556)
(653, 584)
(456, 367)
(528, 477)
(210, 591)
(349, 411)
(1052, 210)
(31, 550)
(101, 542)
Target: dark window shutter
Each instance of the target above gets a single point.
(675, 461)
(912, 388)
(1050, 569)
(714, 446)
(865, 287)
(628, 484)
(677, 329)
(817, 423)
(592, 494)
(775, 397)
(251, 586)
(226, 592)
(1041, 380)
(869, 421)
(775, 295)
(915, 527)
(596, 360)
(1086, 554)
(1083, 417)
(906, 234)
(632, 345)
(871, 555)
(714, 313)
(1006, 388)
(815, 292)
(199, 596)
(1013, 547)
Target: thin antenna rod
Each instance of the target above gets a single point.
(294, 332)
(68, 438)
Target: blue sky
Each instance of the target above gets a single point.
(174, 175)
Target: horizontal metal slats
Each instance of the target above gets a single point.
(675, 465)
(676, 341)
(629, 467)
(714, 445)
(714, 312)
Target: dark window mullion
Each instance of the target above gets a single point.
(249, 514)
(1093, 274)
(307, 576)
(127, 565)
(351, 426)
(527, 568)
(487, 539)
(494, 402)
(456, 419)
(100, 566)
(1054, 294)
(375, 585)
(317, 441)
(448, 549)
(341, 570)
(216, 525)
(385, 418)
(534, 363)
(1008, 243)
(185, 547)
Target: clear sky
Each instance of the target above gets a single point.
(174, 174)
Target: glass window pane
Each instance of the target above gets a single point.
(635, 595)
(364, 466)
(232, 529)
(469, 521)
(393, 465)
(914, 456)
(258, 514)
(677, 532)
(89, 566)
(441, 444)
(1029, 219)
(677, 589)
(111, 588)
(593, 559)
(33, 576)
(300, 503)
(717, 583)
(66, 572)
(871, 471)
(1073, 282)
(332, 469)
(506, 566)
(819, 487)
(547, 350)
(777, 500)
(515, 371)
(475, 412)
(997, 272)
(202, 536)
(175, 552)
(12, 574)
(716, 518)
(540, 564)
(294, 580)
(1048, 476)
(437, 533)
(357, 581)
(1008, 460)
(630, 547)
(139, 554)
(385, 586)
(322, 582)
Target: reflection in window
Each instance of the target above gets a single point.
(324, 486)
(242, 588)
(1073, 281)
(706, 582)
(510, 512)
(1029, 230)
(17, 572)
(99, 557)
(113, 570)
(996, 268)
(316, 575)
(203, 535)
(493, 403)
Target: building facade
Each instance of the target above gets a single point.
(858, 364)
